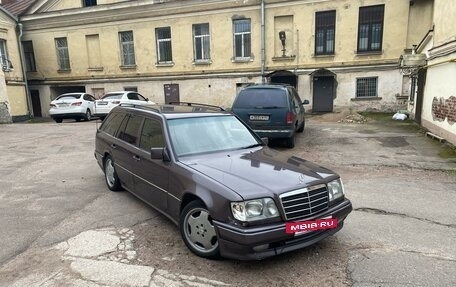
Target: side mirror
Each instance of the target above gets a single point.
(306, 102)
(160, 153)
(265, 141)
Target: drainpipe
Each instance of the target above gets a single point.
(24, 72)
(262, 43)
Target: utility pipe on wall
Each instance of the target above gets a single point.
(24, 72)
(263, 52)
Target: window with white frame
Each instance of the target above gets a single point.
(242, 39)
(366, 87)
(370, 28)
(3, 54)
(127, 48)
(164, 49)
(63, 55)
(201, 42)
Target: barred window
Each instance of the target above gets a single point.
(370, 28)
(242, 38)
(63, 55)
(201, 42)
(366, 87)
(325, 23)
(164, 48)
(127, 48)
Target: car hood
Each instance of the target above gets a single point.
(259, 172)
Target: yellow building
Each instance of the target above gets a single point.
(13, 98)
(433, 98)
(339, 53)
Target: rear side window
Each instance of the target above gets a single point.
(261, 98)
(130, 134)
(112, 123)
(151, 135)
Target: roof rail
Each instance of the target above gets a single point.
(147, 107)
(189, 104)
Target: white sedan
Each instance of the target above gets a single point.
(110, 100)
(76, 106)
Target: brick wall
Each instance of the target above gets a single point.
(444, 109)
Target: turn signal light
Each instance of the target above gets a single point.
(76, 104)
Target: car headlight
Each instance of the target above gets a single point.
(335, 189)
(255, 209)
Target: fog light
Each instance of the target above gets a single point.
(260, 248)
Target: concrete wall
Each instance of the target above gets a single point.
(420, 21)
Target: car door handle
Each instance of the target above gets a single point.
(114, 146)
(137, 158)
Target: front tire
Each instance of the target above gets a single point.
(198, 231)
(112, 180)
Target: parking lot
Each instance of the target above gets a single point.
(61, 226)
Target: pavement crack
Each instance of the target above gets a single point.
(384, 212)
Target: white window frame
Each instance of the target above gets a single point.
(63, 54)
(163, 40)
(205, 40)
(243, 35)
(127, 57)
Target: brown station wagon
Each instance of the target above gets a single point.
(209, 173)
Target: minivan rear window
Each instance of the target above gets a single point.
(261, 98)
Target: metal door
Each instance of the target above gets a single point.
(323, 94)
(420, 94)
(36, 103)
(171, 93)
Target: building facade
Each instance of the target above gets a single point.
(433, 98)
(339, 53)
(13, 95)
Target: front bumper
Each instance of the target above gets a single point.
(239, 243)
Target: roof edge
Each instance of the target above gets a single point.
(9, 14)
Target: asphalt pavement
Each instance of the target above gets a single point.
(61, 226)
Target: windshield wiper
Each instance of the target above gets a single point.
(251, 146)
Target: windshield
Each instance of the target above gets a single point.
(261, 98)
(68, 97)
(209, 134)
(112, 96)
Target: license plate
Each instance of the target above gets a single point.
(259, 118)
(63, 105)
(303, 227)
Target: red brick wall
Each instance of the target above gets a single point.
(444, 109)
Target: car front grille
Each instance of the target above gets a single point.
(304, 202)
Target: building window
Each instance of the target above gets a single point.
(88, 3)
(366, 87)
(242, 39)
(6, 64)
(370, 28)
(201, 42)
(29, 56)
(164, 51)
(127, 48)
(325, 24)
(62, 53)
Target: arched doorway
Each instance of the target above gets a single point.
(324, 86)
(283, 77)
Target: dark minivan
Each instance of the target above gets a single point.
(227, 191)
(272, 111)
